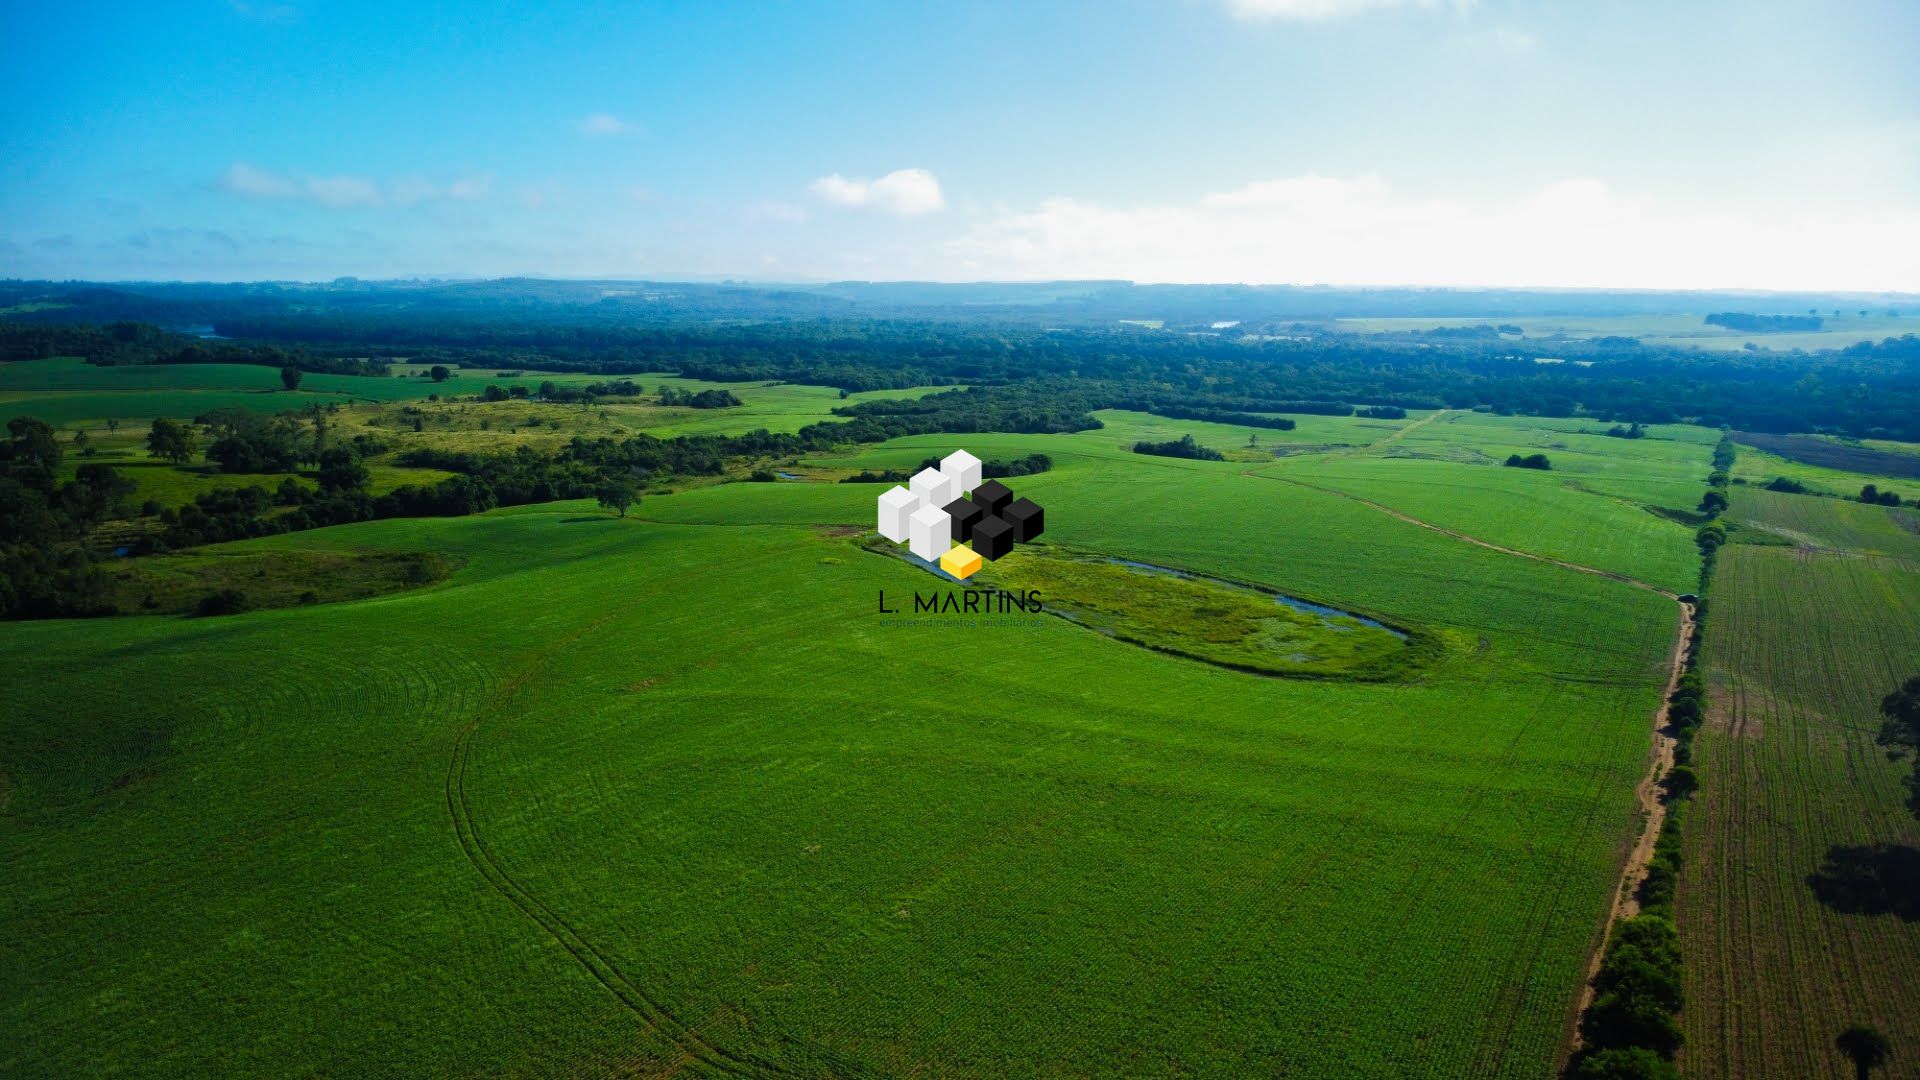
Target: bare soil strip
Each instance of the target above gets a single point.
(1626, 901)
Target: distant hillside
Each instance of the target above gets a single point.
(1040, 304)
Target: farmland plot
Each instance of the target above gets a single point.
(669, 794)
(1799, 832)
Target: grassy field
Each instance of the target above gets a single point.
(1592, 508)
(1800, 822)
(670, 794)
(112, 407)
(1690, 330)
(69, 392)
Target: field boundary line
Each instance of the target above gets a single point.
(1626, 904)
(1402, 432)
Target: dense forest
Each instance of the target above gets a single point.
(1045, 378)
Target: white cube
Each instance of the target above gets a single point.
(963, 469)
(932, 532)
(934, 487)
(896, 506)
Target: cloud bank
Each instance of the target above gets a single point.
(903, 192)
(1324, 10)
(347, 192)
(1315, 229)
(602, 125)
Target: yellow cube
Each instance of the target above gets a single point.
(960, 561)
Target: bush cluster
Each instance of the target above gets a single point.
(1183, 447)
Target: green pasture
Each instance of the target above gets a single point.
(67, 391)
(670, 794)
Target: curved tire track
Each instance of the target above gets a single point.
(630, 994)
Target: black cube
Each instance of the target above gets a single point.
(1027, 519)
(965, 514)
(993, 496)
(992, 537)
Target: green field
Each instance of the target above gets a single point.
(113, 406)
(1802, 643)
(68, 392)
(670, 794)
(1757, 467)
(1594, 508)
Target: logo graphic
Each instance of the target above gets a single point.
(947, 516)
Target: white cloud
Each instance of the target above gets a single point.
(348, 192)
(783, 212)
(342, 191)
(244, 179)
(1323, 230)
(903, 192)
(600, 125)
(1324, 10)
(470, 188)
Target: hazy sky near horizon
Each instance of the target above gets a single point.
(1711, 144)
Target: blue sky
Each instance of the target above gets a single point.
(1758, 144)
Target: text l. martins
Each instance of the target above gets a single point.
(968, 602)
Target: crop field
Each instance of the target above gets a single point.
(1796, 902)
(670, 794)
(1833, 454)
(1592, 508)
(1826, 466)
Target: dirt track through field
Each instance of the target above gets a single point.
(1653, 810)
(1626, 900)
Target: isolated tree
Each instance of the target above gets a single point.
(1865, 1047)
(32, 443)
(173, 441)
(1900, 732)
(439, 372)
(618, 493)
(290, 377)
(341, 470)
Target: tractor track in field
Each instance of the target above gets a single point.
(1465, 538)
(635, 998)
(1653, 810)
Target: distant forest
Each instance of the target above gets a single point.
(1763, 324)
(1023, 374)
